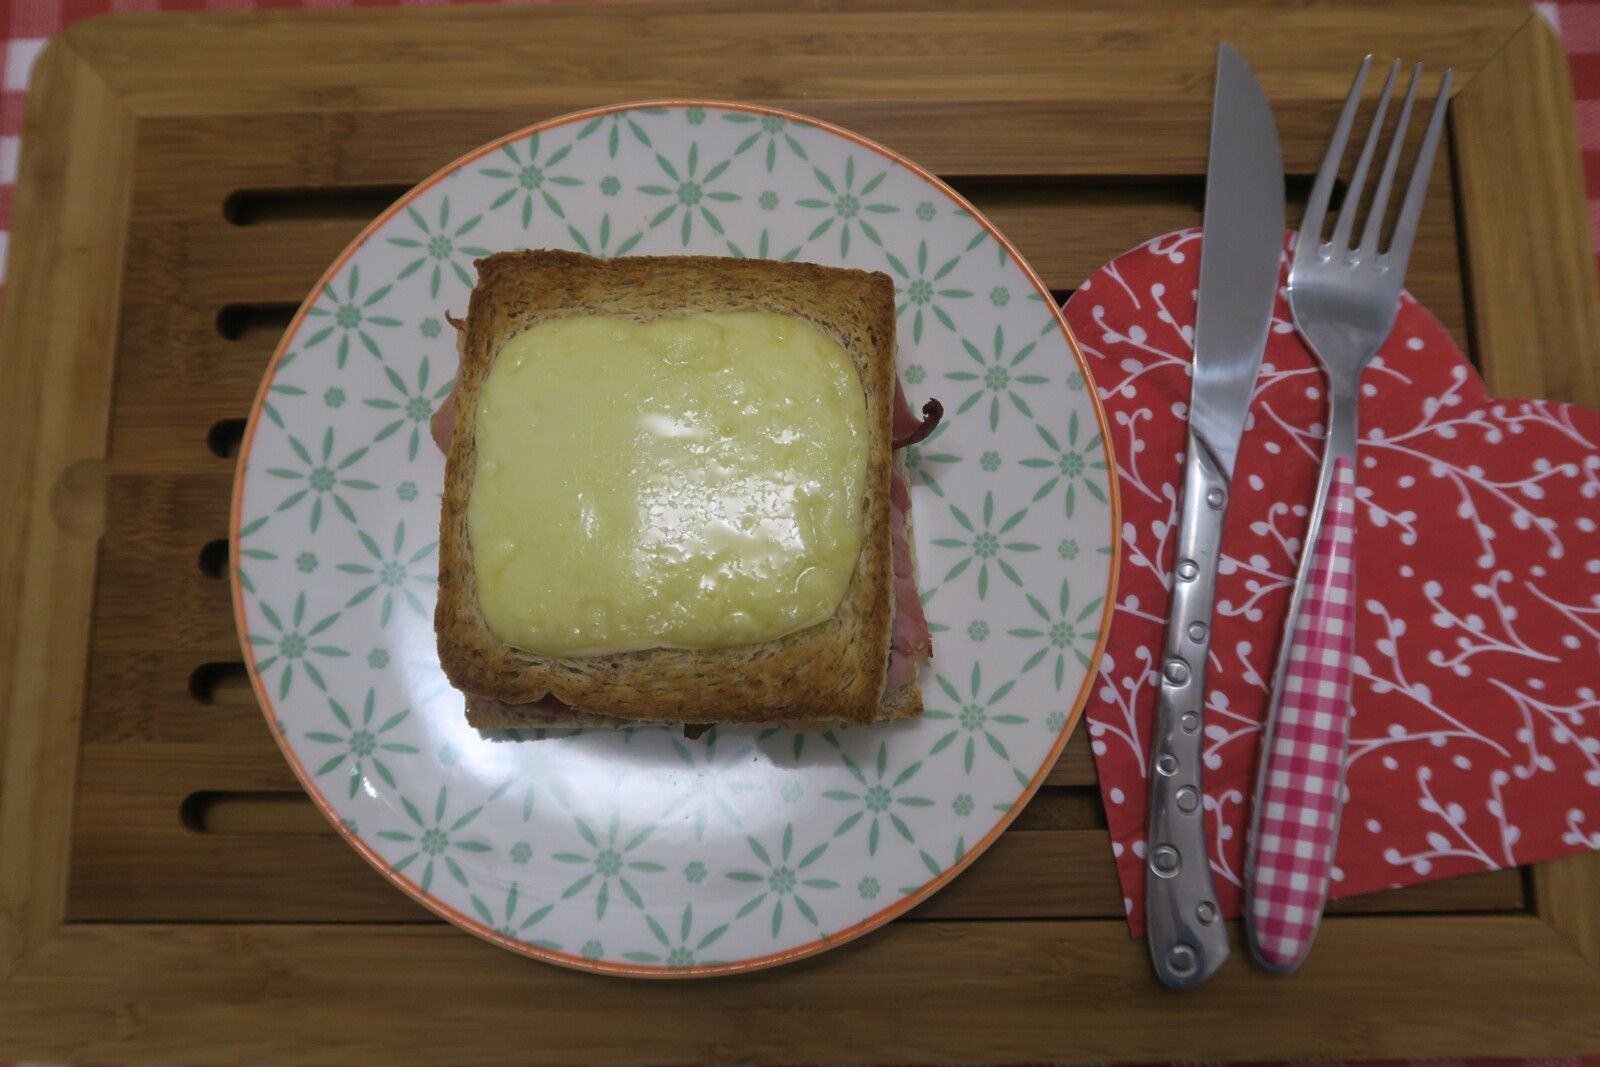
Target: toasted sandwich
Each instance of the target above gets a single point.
(671, 496)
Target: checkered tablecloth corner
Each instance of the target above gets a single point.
(1578, 23)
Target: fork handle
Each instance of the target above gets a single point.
(1295, 821)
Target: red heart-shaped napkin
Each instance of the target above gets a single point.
(1476, 739)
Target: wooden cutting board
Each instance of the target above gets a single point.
(167, 893)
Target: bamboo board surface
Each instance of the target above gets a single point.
(168, 893)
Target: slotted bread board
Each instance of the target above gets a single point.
(166, 890)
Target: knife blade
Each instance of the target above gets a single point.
(1239, 259)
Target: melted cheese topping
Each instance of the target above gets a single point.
(692, 482)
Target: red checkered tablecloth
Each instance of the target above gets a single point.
(26, 25)
(1579, 25)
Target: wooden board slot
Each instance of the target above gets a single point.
(1122, 191)
(214, 558)
(257, 812)
(251, 207)
(238, 322)
(268, 812)
(225, 436)
(1050, 864)
(1075, 807)
(221, 683)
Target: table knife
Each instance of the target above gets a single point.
(1238, 286)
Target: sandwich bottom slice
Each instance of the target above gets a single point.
(857, 666)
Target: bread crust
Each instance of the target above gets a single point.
(485, 714)
(833, 671)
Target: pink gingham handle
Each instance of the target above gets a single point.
(1297, 823)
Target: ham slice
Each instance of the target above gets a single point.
(907, 428)
(443, 423)
(910, 642)
(905, 420)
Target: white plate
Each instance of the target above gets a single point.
(638, 851)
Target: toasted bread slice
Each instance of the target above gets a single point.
(834, 671)
(486, 714)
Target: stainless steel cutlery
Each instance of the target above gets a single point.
(1238, 285)
(1344, 294)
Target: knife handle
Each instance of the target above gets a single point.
(1295, 824)
(1188, 941)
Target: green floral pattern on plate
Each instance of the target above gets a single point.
(691, 194)
(324, 476)
(351, 315)
(528, 179)
(362, 743)
(437, 839)
(437, 246)
(848, 206)
(639, 849)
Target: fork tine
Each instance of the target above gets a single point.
(1310, 235)
(1405, 229)
(1380, 198)
(1358, 179)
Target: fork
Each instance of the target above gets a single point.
(1344, 298)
